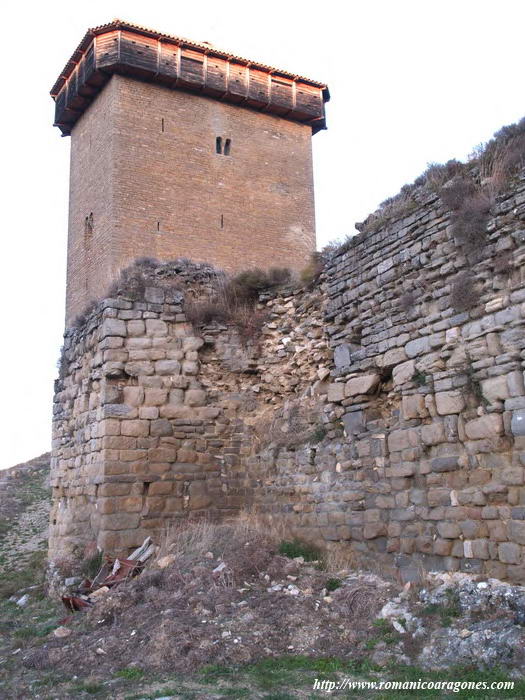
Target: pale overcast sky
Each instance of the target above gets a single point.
(412, 81)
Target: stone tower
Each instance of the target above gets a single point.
(181, 150)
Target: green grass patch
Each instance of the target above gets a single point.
(318, 435)
(5, 525)
(384, 633)
(296, 548)
(419, 378)
(32, 575)
(91, 688)
(130, 674)
(333, 584)
(447, 611)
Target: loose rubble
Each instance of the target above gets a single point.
(223, 594)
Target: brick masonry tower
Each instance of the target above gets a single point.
(181, 150)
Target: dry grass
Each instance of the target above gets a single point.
(502, 156)
(340, 559)
(245, 542)
(358, 600)
(454, 192)
(134, 279)
(234, 302)
(81, 318)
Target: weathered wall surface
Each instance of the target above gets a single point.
(370, 415)
(430, 469)
(144, 163)
(137, 439)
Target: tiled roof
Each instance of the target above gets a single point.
(207, 48)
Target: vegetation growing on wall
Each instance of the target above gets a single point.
(468, 189)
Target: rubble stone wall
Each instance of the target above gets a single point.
(370, 415)
(423, 462)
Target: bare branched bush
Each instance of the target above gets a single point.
(504, 264)
(502, 156)
(311, 274)
(464, 294)
(201, 313)
(134, 279)
(437, 174)
(407, 301)
(81, 318)
(234, 302)
(456, 190)
(469, 222)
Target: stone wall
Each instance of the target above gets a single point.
(370, 415)
(423, 464)
(138, 440)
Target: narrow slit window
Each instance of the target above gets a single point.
(222, 220)
(158, 225)
(88, 224)
(218, 144)
(162, 124)
(227, 146)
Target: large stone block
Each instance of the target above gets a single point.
(155, 327)
(445, 464)
(119, 521)
(403, 469)
(448, 402)
(417, 347)
(404, 372)
(155, 397)
(133, 395)
(139, 368)
(476, 549)
(513, 476)
(342, 355)
(487, 426)
(161, 428)
(509, 553)
(517, 425)
(167, 367)
(373, 530)
(198, 495)
(449, 530)
(135, 428)
(361, 385)
(433, 433)
(136, 328)
(354, 422)
(189, 367)
(398, 440)
(336, 392)
(191, 343)
(393, 357)
(516, 529)
(195, 397)
(113, 326)
(413, 406)
(495, 388)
